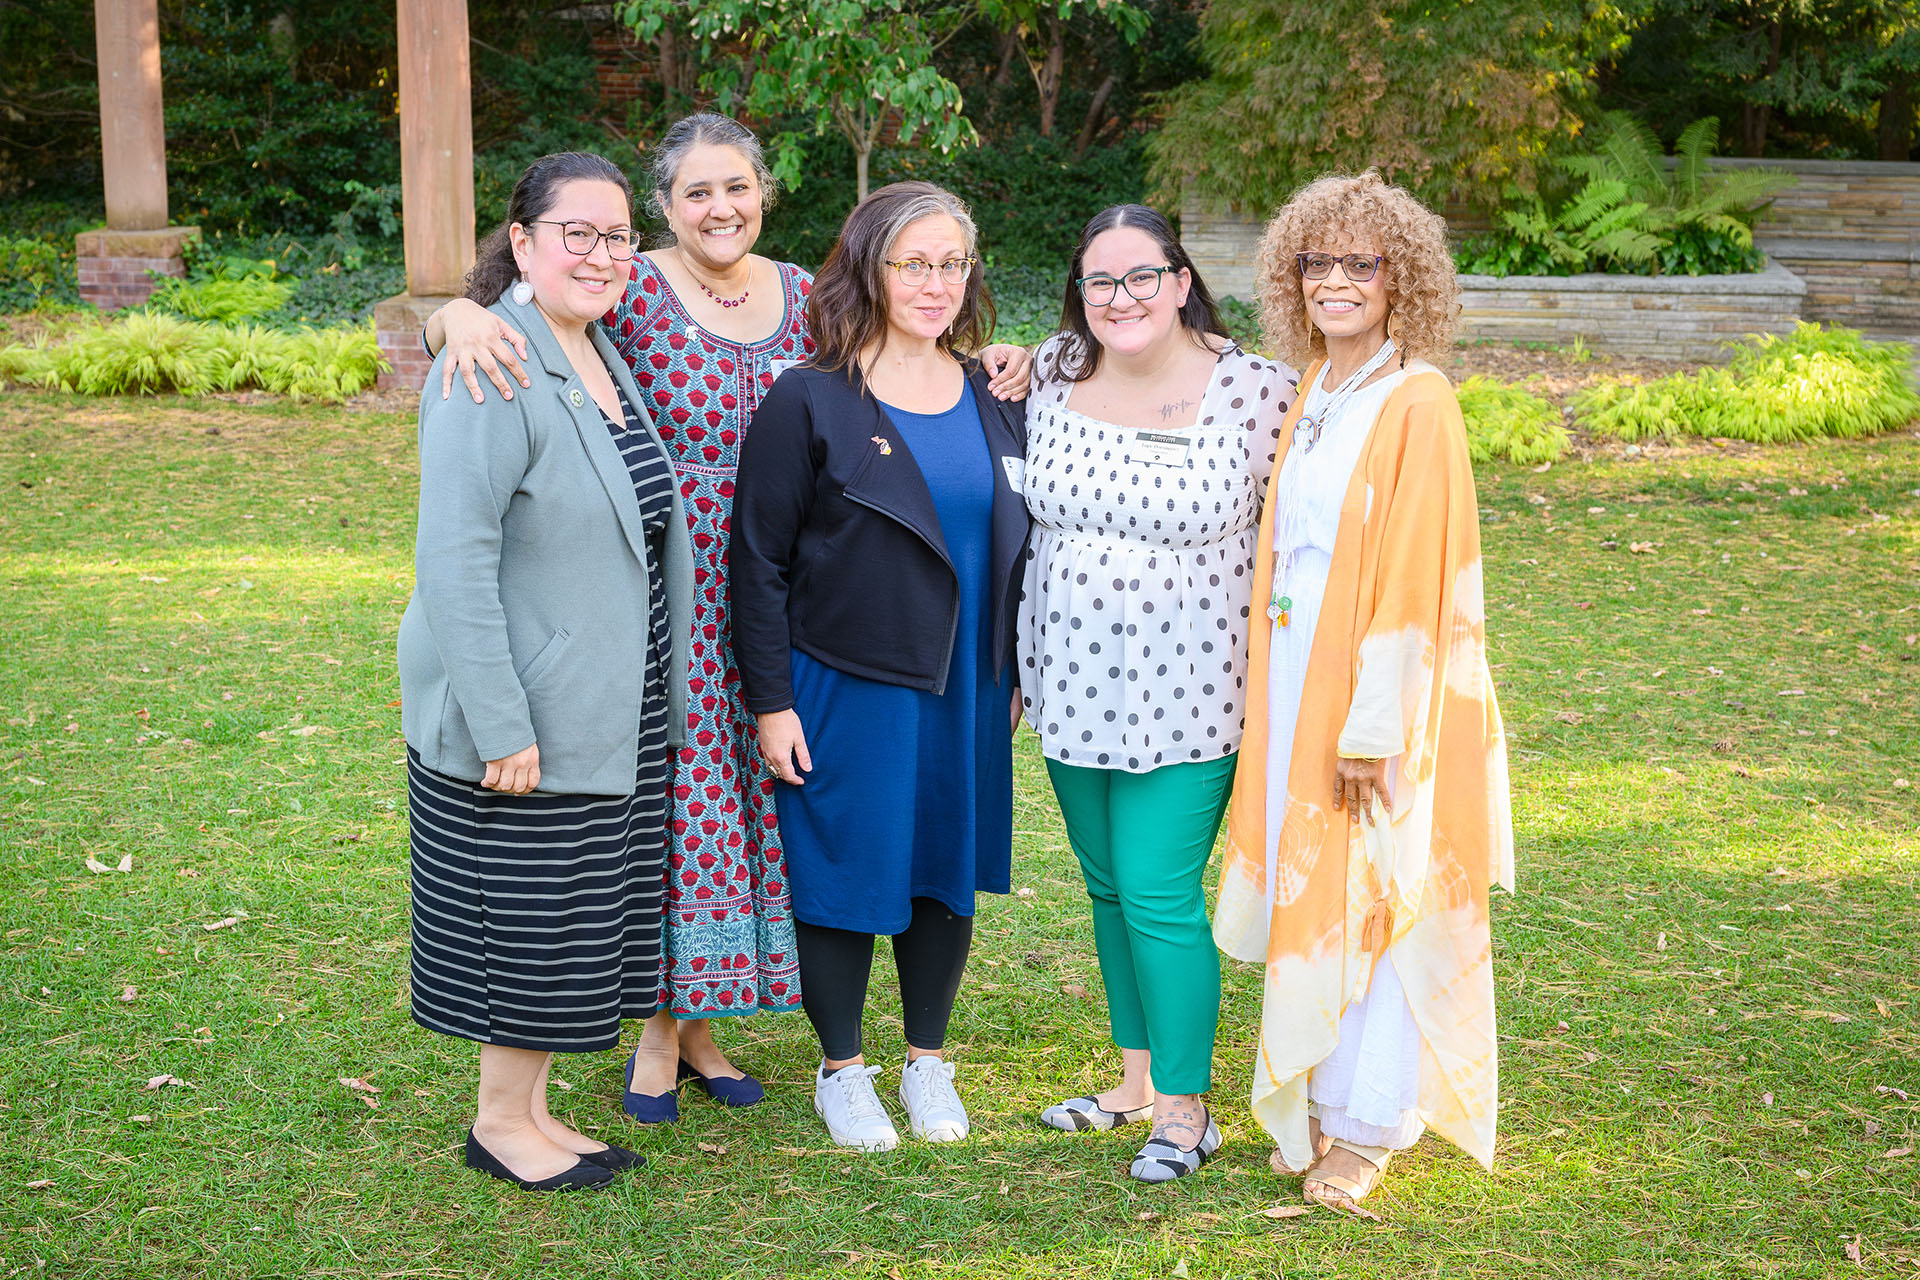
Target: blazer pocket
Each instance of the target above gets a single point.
(549, 653)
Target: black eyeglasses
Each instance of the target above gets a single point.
(1140, 284)
(581, 237)
(1357, 267)
(916, 270)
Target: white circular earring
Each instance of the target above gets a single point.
(522, 293)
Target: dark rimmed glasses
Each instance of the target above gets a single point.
(916, 271)
(1140, 284)
(1357, 267)
(581, 237)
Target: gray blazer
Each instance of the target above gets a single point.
(528, 621)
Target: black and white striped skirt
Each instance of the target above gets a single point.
(537, 918)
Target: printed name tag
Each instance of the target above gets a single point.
(1155, 450)
(778, 367)
(1016, 473)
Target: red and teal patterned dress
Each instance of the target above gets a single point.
(729, 937)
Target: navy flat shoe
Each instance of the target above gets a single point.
(744, 1092)
(618, 1159)
(585, 1173)
(649, 1108)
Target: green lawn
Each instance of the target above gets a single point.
(1708, 983)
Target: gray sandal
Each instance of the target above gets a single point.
(1082, 1115)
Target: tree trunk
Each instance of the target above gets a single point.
(1009, 50)
(1896, 120)
(1095, 111)
(1051, 73)
(861, 152)
(1755, 117)
(667, 47)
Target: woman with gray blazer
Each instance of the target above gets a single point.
(543, 678)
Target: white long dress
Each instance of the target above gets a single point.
(1367, 1090)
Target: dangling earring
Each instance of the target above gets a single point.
(522, 292)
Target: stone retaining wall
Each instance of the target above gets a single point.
(1663, 317)
(1849, 229)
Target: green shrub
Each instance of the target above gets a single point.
(1510, 423)
(37, 273)
(147, 353)
(1811, 383)
(1635, 214)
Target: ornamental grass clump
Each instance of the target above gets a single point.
(1510, 423)
(143, 353)
(1814, 382)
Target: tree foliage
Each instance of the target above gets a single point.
(1451, 97)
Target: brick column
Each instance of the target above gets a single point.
(436, 177)
(114, 263)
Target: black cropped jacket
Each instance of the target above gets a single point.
(836, 547)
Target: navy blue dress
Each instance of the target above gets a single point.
(911, 792)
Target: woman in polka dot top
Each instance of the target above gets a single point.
(1150, 441)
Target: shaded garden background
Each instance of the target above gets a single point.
(282, 126)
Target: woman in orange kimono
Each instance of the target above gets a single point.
(1370, 813)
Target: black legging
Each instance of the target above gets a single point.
(835, 963)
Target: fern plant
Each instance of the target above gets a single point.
(1634, 213)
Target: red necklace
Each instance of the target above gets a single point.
(727, 302)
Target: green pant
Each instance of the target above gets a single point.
(1143, 840)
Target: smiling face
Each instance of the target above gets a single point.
(713, 207)
(573, 291)
(917, 313)
(1343, 310)
(1127, 325)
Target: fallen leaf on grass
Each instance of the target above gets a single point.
(1024, 893)
(1286, 1211)
(358, 1085)
(40, 1184)
(1881, 1005)
(1569, 717)
(1853, 1251)
(129, 994)
(164, 1081)
(1898, 1153)
(1889, 1089)
(125, 865)
(1147, 1215)
(1074, 989)
(713, 1148)
(308, 730)
(221, 924)
(96, 866)
(1640, 548)
(141, 1119)
(1766, 1099)
(1660, 943)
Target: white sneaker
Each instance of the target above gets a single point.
(847, 1102)
(933, 1108)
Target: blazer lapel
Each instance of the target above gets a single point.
(579, 406)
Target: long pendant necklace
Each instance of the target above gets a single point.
(1307, 431)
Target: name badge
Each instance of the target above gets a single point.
(778, 367)
(1016, 473)
(1151, 448)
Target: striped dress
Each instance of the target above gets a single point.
(537, 918)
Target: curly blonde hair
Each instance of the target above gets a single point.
(1423, 295)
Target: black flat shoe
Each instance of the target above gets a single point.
(583, 1174)
(616, 1158)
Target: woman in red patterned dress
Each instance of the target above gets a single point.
(706, 325)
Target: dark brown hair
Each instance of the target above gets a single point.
(1198, 316)
(494, 269)
(847, 310)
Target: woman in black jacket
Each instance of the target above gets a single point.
(878, 524)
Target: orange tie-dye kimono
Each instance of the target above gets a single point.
(1398, 670)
